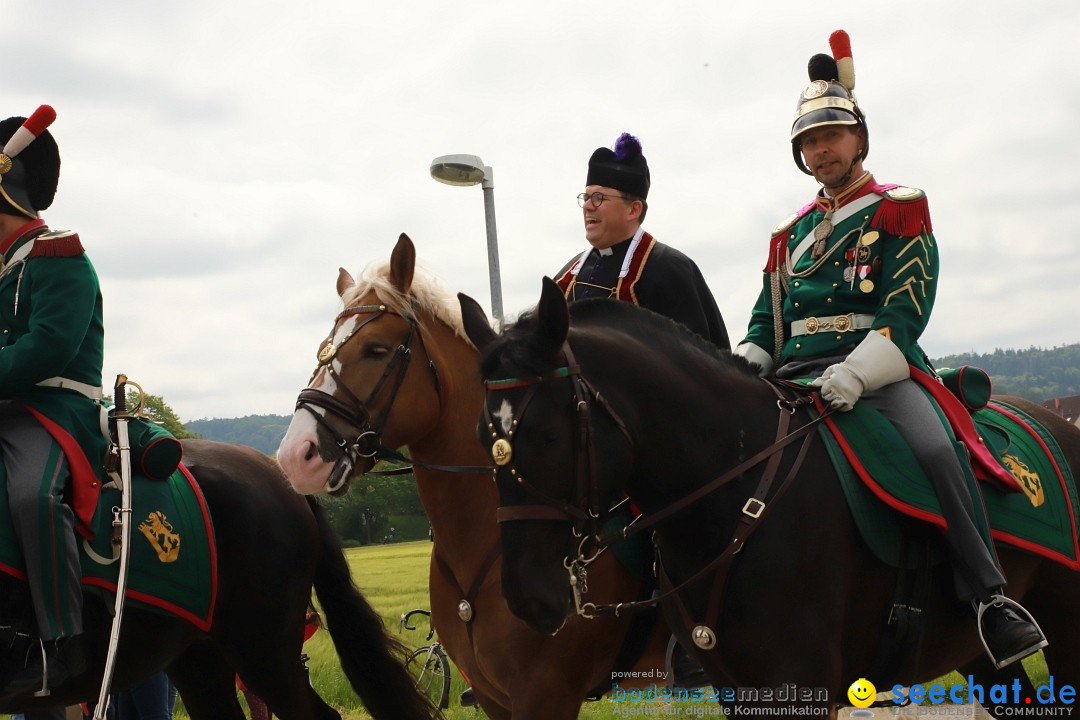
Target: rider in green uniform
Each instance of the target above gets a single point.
(52, 443)
(849, 286)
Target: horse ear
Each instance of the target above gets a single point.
(402, 264)
(344, 281)
(553, 315)
(477, 327)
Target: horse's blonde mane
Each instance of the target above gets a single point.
(427, 297)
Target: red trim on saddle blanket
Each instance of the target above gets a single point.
(984, 464)
(856, 464)
(199, 622)
(85, 483)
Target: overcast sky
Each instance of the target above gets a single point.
(223, 159)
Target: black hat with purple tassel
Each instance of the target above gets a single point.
(623, 168)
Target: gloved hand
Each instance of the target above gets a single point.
(840, 387)
(874, 363)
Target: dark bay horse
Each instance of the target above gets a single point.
(272, 547)
(602, 396)
(430, 404)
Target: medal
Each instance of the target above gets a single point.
(821, 234)
(867, 286)
(869, 238)
(862, 254)
(849, 274)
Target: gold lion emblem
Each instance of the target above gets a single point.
(159, 532)
(1028, 480)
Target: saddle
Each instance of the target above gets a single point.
(1014, 465)
(173, 562)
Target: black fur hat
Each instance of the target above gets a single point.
(29, 164)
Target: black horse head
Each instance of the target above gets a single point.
(569, 395)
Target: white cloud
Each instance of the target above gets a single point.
(222, 159)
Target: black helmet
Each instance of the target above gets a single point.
(29, 163)
(829, 98)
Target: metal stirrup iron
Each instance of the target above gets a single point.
(1002, 601)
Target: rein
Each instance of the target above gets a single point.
(355, 412)
(584, 514)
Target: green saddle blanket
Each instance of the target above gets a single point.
(878, 471)
(173, 562)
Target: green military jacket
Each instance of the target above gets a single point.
(51, 327)
(878, 267)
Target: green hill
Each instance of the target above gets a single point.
(262, 432)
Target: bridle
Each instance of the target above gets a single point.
(356, 412)
(584, 514)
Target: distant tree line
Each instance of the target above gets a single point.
(1037, 374)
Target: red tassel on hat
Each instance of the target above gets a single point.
(36, 124)
(840, 44)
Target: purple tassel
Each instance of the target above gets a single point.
(627, 147)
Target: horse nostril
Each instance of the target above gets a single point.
(310, 452)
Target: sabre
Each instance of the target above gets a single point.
(121, 518)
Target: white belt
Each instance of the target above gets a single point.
(833, 323)
(90, 391)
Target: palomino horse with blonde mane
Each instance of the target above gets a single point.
(397, 370)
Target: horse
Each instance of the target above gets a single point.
(273, 546)
(363, 389)
(599, 397)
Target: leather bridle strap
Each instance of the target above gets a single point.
(783, 440)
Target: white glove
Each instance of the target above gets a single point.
(755, 356)
(874, 363)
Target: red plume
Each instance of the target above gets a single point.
(33, 126)
(840, 44)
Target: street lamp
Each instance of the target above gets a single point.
(470, 170)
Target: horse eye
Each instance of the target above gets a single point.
(375, 351)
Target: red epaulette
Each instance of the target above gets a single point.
(904, 211)
(57, 243)
(778, 243)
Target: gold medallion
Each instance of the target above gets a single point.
(869, 238)
(867, 286)
(327, 353)
(501, 452)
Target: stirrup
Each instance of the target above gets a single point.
(999, 600)
(44, 691)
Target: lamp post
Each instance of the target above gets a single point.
(466, 170)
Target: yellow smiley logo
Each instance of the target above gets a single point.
(862, 693)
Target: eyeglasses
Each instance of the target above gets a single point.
(597, 198)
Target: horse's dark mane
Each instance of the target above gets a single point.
(520, 346)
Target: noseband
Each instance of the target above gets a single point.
(354, 411)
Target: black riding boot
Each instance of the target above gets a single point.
(48, 664)
(1008, 635)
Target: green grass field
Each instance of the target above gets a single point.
(394, 579)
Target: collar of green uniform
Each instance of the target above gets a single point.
(21, 236)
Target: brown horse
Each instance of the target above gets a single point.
(771, 583)
(431, 405)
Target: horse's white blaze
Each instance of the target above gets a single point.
(298, 453)
(505, 416)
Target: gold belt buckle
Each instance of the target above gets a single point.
(811, 325)
(843, 323)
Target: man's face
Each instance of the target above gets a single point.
(612, 221)
(828, 152)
